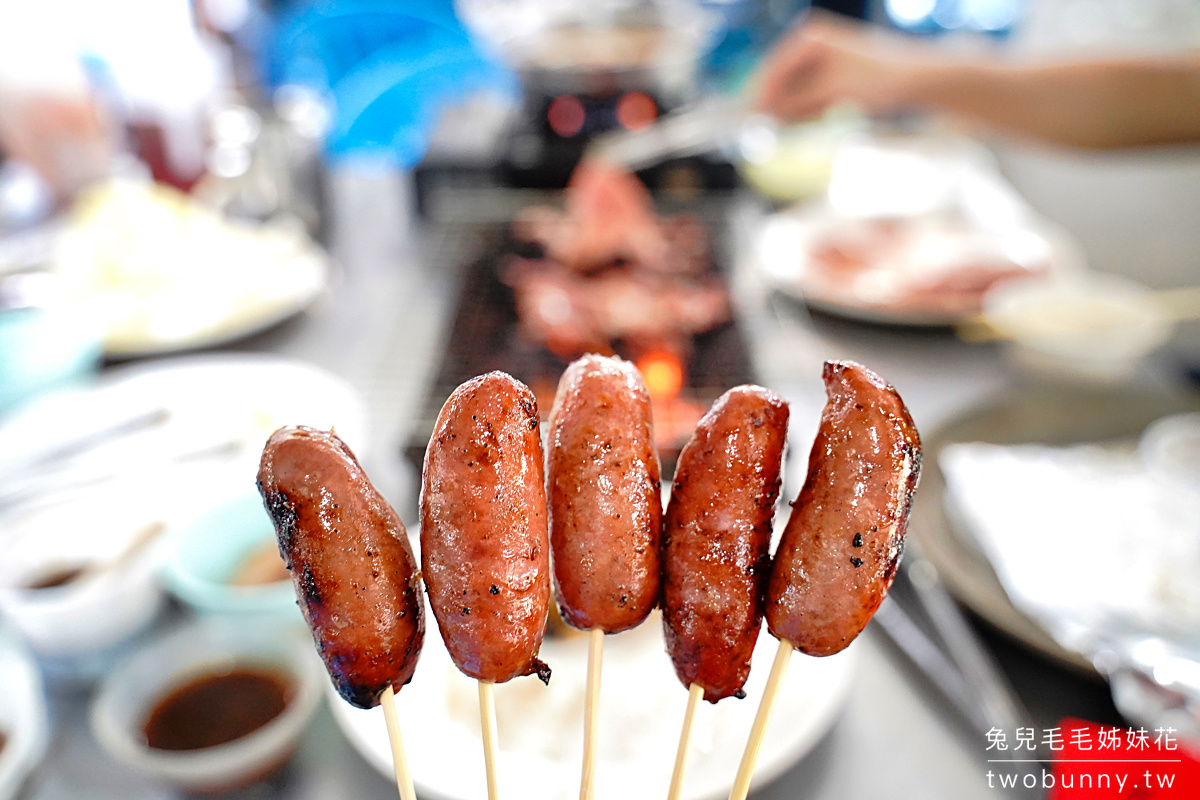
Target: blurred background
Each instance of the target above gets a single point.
(218, 217)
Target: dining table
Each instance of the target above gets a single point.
(381, 326)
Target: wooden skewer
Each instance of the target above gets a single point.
(591, 708)
(132, 549)
(404, 781)
(766, 706)
(1179, 304)
(695, 692)
(487, 719)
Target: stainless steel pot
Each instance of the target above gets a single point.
(599, 47)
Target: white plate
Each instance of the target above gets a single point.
(877, 293)
(918, 214)
(192, 418)
(255, 301)
(641, 711)
(22, 714)
(165, 273)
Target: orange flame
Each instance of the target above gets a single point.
(663, 373)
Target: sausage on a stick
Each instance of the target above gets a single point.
(842, 544)
(605, 506)
(716, 547)
(354, 572)
(484, 548)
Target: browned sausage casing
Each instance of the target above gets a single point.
(605, 504)
(717, 538)
(841, 546)
(484, 550)
(351, 563)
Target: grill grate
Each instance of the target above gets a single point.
(483, 336)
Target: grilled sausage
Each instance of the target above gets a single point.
(841, 546)
(354, 571)
(484, 550)
(605, 504)
(717, 538)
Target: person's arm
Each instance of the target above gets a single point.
(1119, 102)
(1099, 104)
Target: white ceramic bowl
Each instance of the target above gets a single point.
(1091, 325)
(1171, 447)
(203, 556)
(22, 714)
(72, 627)
(131, 690)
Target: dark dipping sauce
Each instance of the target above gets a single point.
(3, 741)
(58, 577)
(216, 708)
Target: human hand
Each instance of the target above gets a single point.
(64, 136)
(827, 61)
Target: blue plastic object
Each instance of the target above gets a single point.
(387, 68)
(746, 32)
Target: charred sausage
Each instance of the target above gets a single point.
(484, 549)
(841, 546)
(717, 538)
(605, 504)
(354, 571)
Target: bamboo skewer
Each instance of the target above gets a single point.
(404, 781)
(487, 720)
(766, 706)
(591, 708)
(695, 692)
(1179, 304)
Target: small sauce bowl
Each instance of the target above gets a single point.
(216, 564)
(131, 702)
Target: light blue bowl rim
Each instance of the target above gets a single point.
(201, 556)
